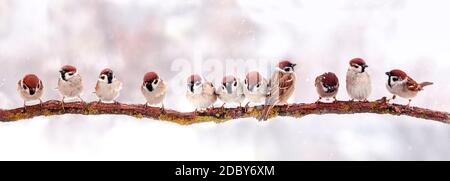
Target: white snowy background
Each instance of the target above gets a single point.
(136, 36)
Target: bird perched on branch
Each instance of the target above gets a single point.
(30, 88)
(255, 88)
(327, 86)
(70, 84)
(400, 84)
(200, 92)
(154, 89)
(231, 91)
(281, 87)
(108, 87)
(359, 85)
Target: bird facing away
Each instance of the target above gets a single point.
(327, 85)
(281, 87)
(400, 84)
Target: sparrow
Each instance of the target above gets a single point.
(200, 92)
(255, 88)
(400, 84)
(327, 85)
(231, 91)
(108, 87)
(30, 88)
(154, 89)
(70, 84)
(281, 87)
(359, 85)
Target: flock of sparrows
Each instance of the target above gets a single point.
(255, 88)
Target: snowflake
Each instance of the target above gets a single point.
(2, 82)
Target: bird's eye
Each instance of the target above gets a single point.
(245, 81)
(355, 66)
(235, 84)
(197, 84)
(24, 87)
(156, 81)
(287, 69)
(395, 79)
(257, 85)
(71, 73)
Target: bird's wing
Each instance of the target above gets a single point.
(286, 81)
(412, 85)
(118, 85)
(162, 88)
(279, 85)
(265, 87)
(289, 86)
(317, 82)
(81, 78)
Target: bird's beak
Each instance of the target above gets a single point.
(229, 90)
(293, 65)
(32, 91)
(365, 66)
(388, 73)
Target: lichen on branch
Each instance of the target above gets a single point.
(53, 107)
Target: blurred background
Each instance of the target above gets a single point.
(214, 38)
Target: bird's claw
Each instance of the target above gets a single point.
(335, 100)
(62, 105)
(246, 107)
(318, 101)
(163, 110)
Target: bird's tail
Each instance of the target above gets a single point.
(265, 113)
(424, 84)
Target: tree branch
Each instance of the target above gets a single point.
(219, 115)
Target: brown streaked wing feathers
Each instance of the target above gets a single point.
(279, 85)
(412, 85)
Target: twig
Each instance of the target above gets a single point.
(219, 115)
